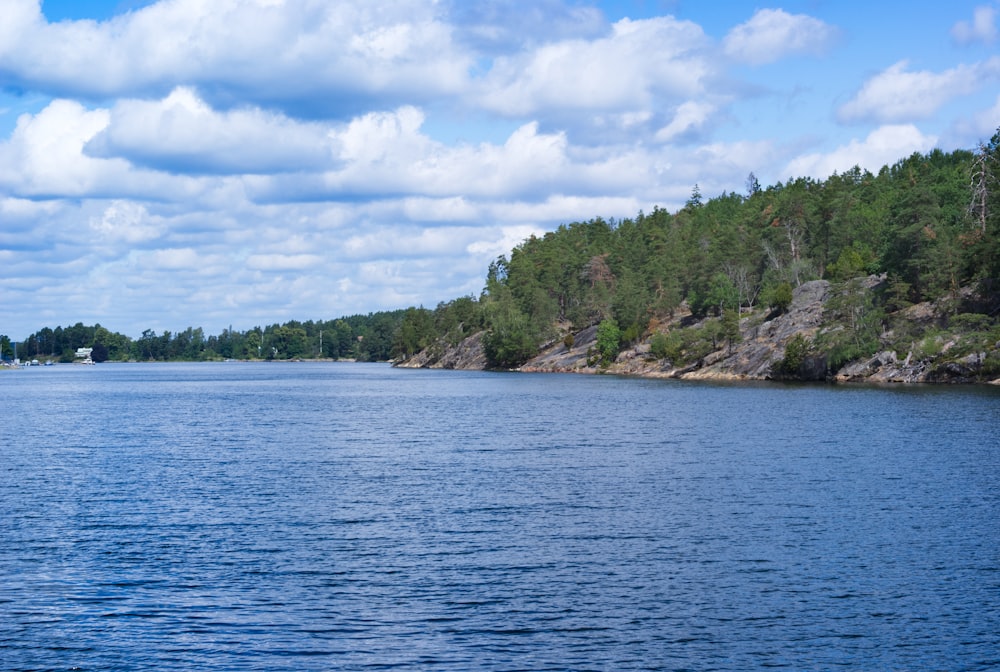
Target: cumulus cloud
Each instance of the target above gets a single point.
(125, 221)
(45, 158)
(982, 27)
(898, 94)
(251, 161)
(883, 146)
(182, 133)
(44, 155)
(387, 154)
(625, 70)
(240, 50)
(773, 34)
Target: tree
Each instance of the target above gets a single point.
(731, 327)
(99, 353)
(608, 340)
(796, 351)
(509, 343)
(859, 321)
(779, 297)
(694, 201)
(415, 332)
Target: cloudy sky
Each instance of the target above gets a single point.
(245, 162)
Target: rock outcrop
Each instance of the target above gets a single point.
(758, 356)
(468, 355)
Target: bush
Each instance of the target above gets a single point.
(666, 346)
(780, 297)
(796, 351)
(929, 347)
(608, 340)
(510, 342)
(970, 322)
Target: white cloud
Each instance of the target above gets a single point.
(125, 221)
(883, 146)
(982, 28)
(45, 157)
(247, 161)
(247, 50)
(386, 154)
(625, 70)
(562, 208)
(772, 34)
(451, 209)
(689, 117)
(182, 133)
(509, 238)
(172, 259)
(897, 94)
(502, 26)
(987, 122)
(283, 262)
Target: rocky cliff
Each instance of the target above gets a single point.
(760, 353)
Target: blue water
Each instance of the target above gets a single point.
(352, 517)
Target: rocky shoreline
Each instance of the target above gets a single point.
(758, 355)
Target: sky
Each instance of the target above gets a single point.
(236, 163)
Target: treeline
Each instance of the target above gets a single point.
(929, 223)
(361, 337)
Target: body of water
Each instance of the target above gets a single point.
(320, 516)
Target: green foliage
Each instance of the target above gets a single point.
(929, 221)
(415, 332)
(779, 297)
(850, 264)
(684, 346)
(666, 346)
(929, 346)
(730, 323)
(631, 334)
(971, 322)
(723, 295)
(509, 343)
(858, 324)
(608, 340)
(796, 351)
(897, 296)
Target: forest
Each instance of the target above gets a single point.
(360, 337)
(928, 226)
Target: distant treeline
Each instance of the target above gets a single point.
(362, 337)
(930, 223)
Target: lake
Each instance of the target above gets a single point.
(335, 516)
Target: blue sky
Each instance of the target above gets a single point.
(244, 162)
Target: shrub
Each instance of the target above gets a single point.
(666, 346)
(608, 340)
(779, 296)
(796, 351)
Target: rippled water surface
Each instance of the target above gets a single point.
(349, 516)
